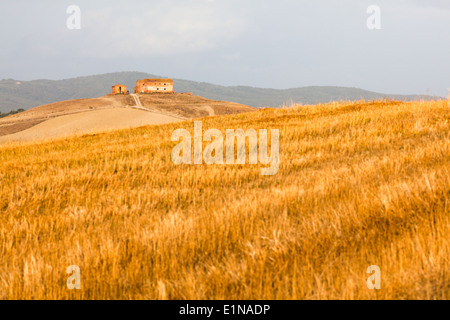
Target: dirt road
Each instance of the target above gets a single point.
(136, 99)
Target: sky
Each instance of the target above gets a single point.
(271, 44)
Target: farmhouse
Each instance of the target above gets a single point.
(154, 86)
(119, 89)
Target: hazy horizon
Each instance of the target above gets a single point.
(288, 44)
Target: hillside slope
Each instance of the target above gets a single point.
(16, 94)
(89, 122)
(359, 184)
(174, 106)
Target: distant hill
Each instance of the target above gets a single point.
(16, 94)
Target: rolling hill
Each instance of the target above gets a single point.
(109, 112)
(359, 184)
(15, 94)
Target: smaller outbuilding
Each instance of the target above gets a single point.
(119, 89)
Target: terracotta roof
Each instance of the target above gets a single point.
(157, 80)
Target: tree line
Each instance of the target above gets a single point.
(2, 115)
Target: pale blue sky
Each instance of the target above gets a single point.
(277, 44)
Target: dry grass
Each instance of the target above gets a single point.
(168, 104)
(359, 184)
(29, 118)
(190, 106)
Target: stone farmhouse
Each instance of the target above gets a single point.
(154, 86)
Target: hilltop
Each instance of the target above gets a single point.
(15, 94)
(109, 112)
(359, 184)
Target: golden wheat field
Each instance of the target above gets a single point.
(359, 184)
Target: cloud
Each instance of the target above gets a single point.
(287, 43)
(420, 10)
(163, 29)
